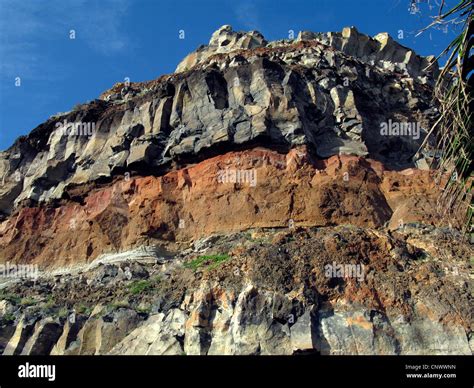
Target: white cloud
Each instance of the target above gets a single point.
(246, 13)
(25, 24)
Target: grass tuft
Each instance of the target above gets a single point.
(207, 262)
(139, 287)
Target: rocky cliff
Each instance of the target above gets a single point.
(266, 198)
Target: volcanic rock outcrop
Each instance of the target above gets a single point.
(198, 213)
(255, 292)
(281, 94)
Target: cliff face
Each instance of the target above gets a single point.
(256, 292)
(238, 179)
(279, 95)
(235, 94)
(183, 205)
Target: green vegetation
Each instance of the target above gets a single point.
(207, 262)
(115, 305)
(143, 309)
(453, 129)
(119, 304)
(83, 309)
(247, 235)
(28, 302)
(50, 303)
(8, 318)
(142, 286)
(139, 286)
(63, 312)
(156, 279)
(9, 297)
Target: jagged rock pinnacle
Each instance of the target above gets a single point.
(381, 50)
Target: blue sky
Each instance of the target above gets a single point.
(139, 39)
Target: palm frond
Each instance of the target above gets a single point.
(453, 129)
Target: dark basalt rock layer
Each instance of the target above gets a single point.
(256, 201)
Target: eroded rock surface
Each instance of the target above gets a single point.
(247, 204)
(326, 93)
(192, 203)
(265, 291)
